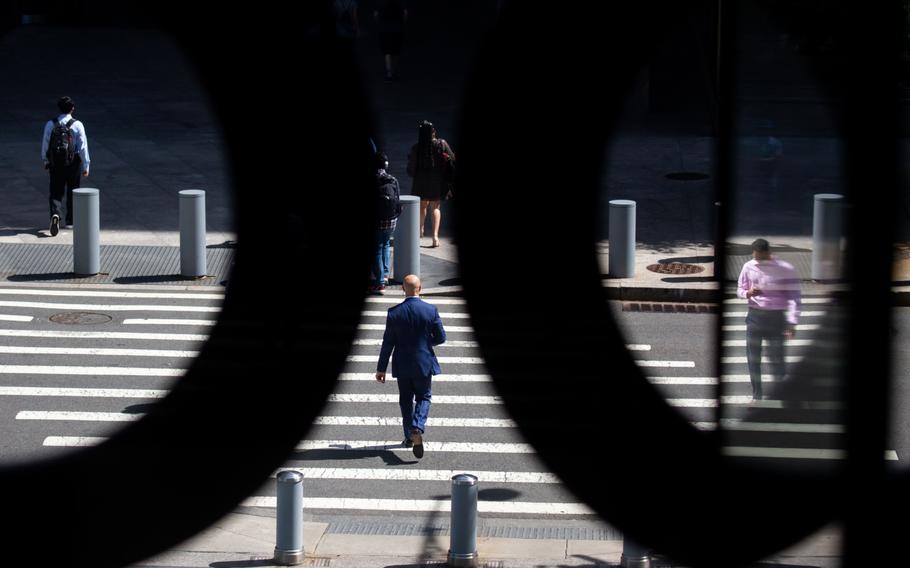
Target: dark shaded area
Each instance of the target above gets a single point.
(687, 259)
(387, 456)
(138, 408)
(159, 278)
(51, 277)
(497, 494)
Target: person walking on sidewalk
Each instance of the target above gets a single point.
(64, 149)
(771, 287)
(391, 16)
(388, 207)
(412, 329)
(426, 164)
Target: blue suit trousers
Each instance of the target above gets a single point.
(414, 396)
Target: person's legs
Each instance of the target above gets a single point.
(776, 345)
(386, 252)
(381, 260)
(406, 402)
(56, 191)
(72, 182)
(423, 396)
(437, 217)
(423, 214)
(753, 352)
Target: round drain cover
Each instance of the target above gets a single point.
(73, 318)
(676, 268)
(687, 176)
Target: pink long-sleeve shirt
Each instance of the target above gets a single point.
(778, 283)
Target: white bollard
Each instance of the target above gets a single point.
(192, 233)
(86, 231)
(622, 239)
(407, 239)
(827, 230)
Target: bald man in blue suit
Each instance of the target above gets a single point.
(412, 329)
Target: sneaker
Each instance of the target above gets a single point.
(417, 440)
(407, 443)
(55, 225)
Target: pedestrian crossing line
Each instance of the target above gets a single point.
(400, 299)
(72, 441)
(100, 371)
(97, 352)
(808, 314)
(425, 505)
(381, 327)
(436, 379)
(480, 361)
(73, 292)
(712, 381)
(747, 400)
(388, 474)
(799, 327)
(787, 342)
(4, 317)
(75, 416)
(444, 315)
(793, 453)
(102, 335)
(81, 392)
(112, 307)
(437, 399)
(743, 360)
(776, 427)
(429, 446)
(665, 364)
(467, 344)
(431, 421)
(153, 321)
(803, 300)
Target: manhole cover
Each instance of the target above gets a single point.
(687, 176)
(676, 268)
(73, 318)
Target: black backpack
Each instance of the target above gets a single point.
(388, 201)
(61, 151)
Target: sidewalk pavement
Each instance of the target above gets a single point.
(244, 540)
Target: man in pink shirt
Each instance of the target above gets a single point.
(772, 288)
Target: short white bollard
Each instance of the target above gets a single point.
(192, 233)
(827, 230)
(463, 531)
(289, 519)
(86, 231)
(622, 239)
(407, 239)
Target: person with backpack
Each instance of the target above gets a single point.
(388, 209)
(64, 149)
(347, 24)
(432, 165)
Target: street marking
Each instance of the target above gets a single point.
(449, 315)
(452, 360)
(436, 378)
(794, 428)
(423, 505)
(794, 453)
(437, 399)
(799, 327)
(788, 342)
(395, 445)
(77, 416)
(801, 314)
(733, 360)
(431, 421)
(801, 301)
(16, 318)
(76, 370)
(102, 335)
(72, 292)
(747, 400)
(666, 364)
(400, 299)
(381, 327)
(450, 343)
(112, 307)
(421, 475)
(98, 352)
(682, 380)
(72, 441)
(80, 392)
(168, 322)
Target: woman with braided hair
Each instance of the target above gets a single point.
(426, 164)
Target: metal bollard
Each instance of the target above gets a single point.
(86, 232)
(622, 238)
(192, 233)
(634, 556)
(289, 519)
(407, 239)
(463, 535)
(827, 229)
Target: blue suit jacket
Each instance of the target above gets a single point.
(412, 328)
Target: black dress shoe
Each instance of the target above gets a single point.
(55, 225)
(417, 439)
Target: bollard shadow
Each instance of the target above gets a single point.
(687, 260)
(687, 279)
(244, 563)
(139, 408)
(52, 276)
(497, 494)
(224, 245)
(342, 452)
(158, 278)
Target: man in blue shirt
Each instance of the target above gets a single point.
(412, 328)
(65, 161)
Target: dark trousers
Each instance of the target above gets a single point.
(64, 181)
(414, 396)
(765, 325)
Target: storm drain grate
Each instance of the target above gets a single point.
(669, 307)
(80, 318)
(676, 268)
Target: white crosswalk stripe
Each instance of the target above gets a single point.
(6, 317)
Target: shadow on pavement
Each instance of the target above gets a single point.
(243, 563)
(687, 260)
(687, 279)
(383, 452)
(50, 276)
(159, 278)
(40, 233)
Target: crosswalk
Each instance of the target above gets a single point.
(82, 382)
